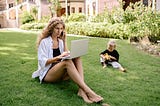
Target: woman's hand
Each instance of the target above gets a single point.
(64, 36)
(66, 53)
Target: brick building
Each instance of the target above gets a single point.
(10, 10)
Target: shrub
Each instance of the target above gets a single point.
(26, 17)
(110, 16)
(33, 26)
(77, 17)
(136, 21)
(98, 29)
(45, 19)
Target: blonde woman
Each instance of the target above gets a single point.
(52, 46)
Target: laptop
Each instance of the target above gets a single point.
(78, 48)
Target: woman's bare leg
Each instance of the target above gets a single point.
(57, 72)
(81, 93)
(75, 76)
(78, 65)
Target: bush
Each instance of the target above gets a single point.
(77, 17)
(136, 21)
(26, 17)
(106, 30)
(113, 16)
(45, 19)
(33, 26)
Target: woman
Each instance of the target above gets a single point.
(52, 46)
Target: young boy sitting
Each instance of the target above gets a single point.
(110, 56)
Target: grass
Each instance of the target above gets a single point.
(140, 86)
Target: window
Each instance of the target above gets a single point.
(88, 9)
(94, 8)
(80, 9)
(145, 2)
(10, 5)
(31, 1)
(73, 10)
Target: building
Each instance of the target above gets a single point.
(72, 6)
(94, 7)
(10, 10)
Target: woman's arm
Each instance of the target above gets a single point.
(65, 45)
(43, 54)
(54, 59)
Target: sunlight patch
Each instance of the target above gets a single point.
(4, 53)
(18, 45)
(12, 44)
(28, 58)
(7, 48)
(23, 45)
(23, 54)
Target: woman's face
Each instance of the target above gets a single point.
(58, 29)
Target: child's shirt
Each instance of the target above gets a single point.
(114, 53)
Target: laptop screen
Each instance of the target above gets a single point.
(79, 47)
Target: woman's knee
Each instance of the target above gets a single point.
(77, 59)
(68, 62)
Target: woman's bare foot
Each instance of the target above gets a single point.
(82, 94)
(105, 104)
(94, 97)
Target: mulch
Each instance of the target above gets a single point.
(152, 49)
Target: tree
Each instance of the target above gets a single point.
(35, 12)
(55, 7)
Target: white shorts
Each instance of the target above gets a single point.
(114, 64)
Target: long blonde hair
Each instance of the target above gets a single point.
(48, 30)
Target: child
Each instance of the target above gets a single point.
(111, 56)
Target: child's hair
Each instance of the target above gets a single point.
(112, 42)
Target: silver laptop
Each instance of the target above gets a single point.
(78, 48)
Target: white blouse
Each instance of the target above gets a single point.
(45, 52)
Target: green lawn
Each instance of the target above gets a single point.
(140, 86)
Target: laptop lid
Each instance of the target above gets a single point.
(79, 47)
